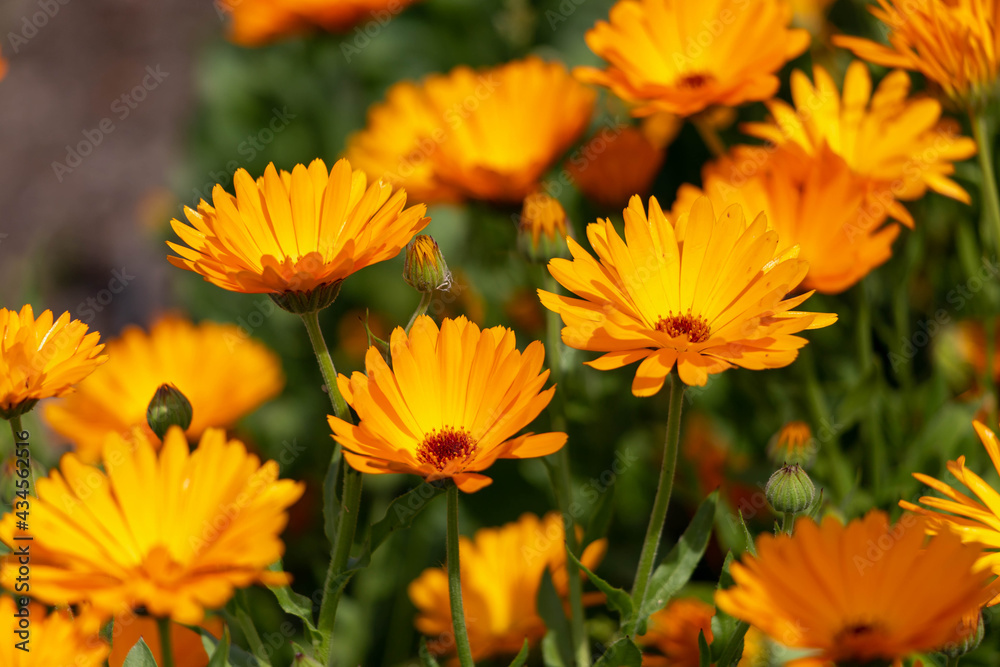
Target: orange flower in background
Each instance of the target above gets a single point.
(671, 639)
(975, 519)
(221, 371)
(704, 293)
(55, 640)
(256, 22)
(174, 532)
(186, 643)
(811, 14)
(501, 571)
(684, 57)
(966, 342)
(716, 463)
(953, 43)
(487, 134)
(900, 143)
(608, 171)
(543, 227)
(817, 203)
(857, 593)
(42, 358)
(793, 444)
(449, 406)
(3, 68)
(295, 236)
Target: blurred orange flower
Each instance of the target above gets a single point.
(186, 643)
(609, 171)
(543, 227)
(295, 236)
(953, 43)
(900, 143)
(817, 203)
(672, 636)
(42, 358)
(501, 571)
(487, 135)
(55, 639)
(811, 14)
(683, 57)
(222, 372)
(256, 22)
(449, 406)
(648, 299)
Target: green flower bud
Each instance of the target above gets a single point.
(424, 268)
(169, 407)
(790, 491)
(308, 301)
(970, 635)
(543, 227)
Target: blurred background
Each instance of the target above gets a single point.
(115, 114)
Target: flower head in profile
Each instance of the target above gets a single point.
(671, 638)
(223, 374)
(610, 170)
(953, 43)
(543, 227)
(857, 593)
(174, 533)
(450, 405)
(55, 638)
(501, 572)
(794, 443)
(900, 143)
(295, 236)
(41, 358)
(704, 294)
(976, 517)
(815, 202)
(257, 22)
(484, 135)
(658, 58)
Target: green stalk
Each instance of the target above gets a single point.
(562, 481)
(991, 197)
(711, 137)
(989, 386)
(877, 449)
(166, 646)
(455, 582)
(425, 301)
(660, 503)
(350, 499)
(15, 428)
(249, 629)
(840, 468)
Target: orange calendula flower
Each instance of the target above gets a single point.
(449, 406)
(173, 532)
(857, 593)
(793, 444)
(811, 14)
(705, 293)
(817, 203)
(42, 358)
(256, 22)
(54, 639)
(501, 571)
(902, 144)
(671, 639)
(953, 43)
(185, 642)
(543, 226)
(295, 236)
(683, 57)
(486, 135)
(975, 519)
(221, 371)
(610, 170)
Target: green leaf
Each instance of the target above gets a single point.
(600, 520)
(676, 569)
(623, 653)
(618, 600)
(728, 632)
(704, 653)
(751, 548)
(426, 659)
(550, 608)
(522, 655)
(400, 514)
(236, 657)
(220, 657)
(294, 603)
(550, 651)
(139, 656)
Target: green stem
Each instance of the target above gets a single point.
(455, 582)
(249, 629)
(991, 197)
(840, 468)
(953, 662)
(989, 386)
(872, 424)
(425, 301)
(787, 522)
(864, 329)
(711, 137)
(15, 428)
(326, 367)
(660, 503)
(166, 646)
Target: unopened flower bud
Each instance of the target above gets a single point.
(790, 491)
(543, 227)
(968, 636)
(169, 407)
(424, 268)
(794, 443)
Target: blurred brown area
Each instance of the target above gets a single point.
(93, 117)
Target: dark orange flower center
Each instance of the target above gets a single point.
(695, 327)
(442, 446)
(694, 81)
